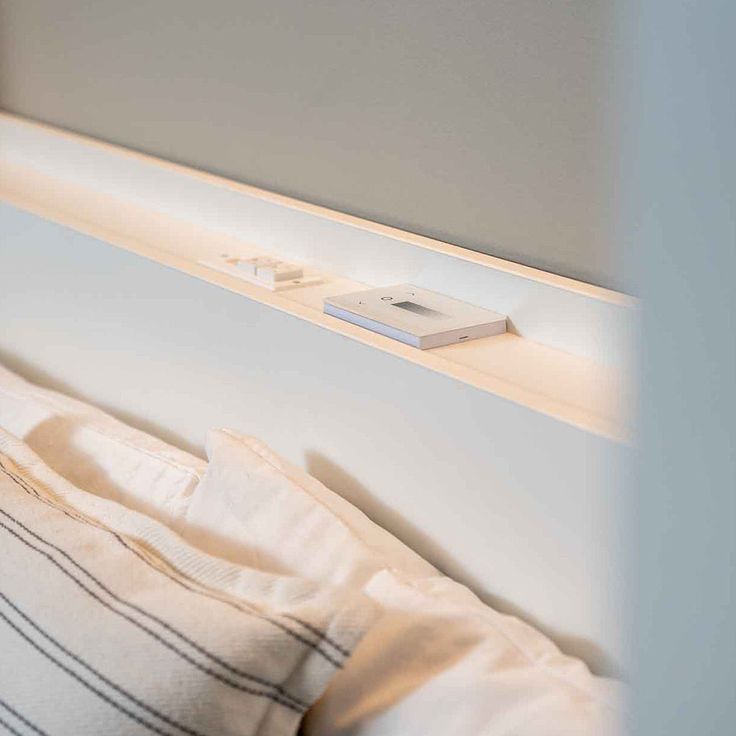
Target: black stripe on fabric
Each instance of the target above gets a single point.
(9, 728)
(248, 610)
(151, 616)
(225, 665)
(22, 718)
(82, 681)
(295, 706)
(202, 592)
(96, 673)
(320, 634)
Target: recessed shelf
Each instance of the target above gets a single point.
(566, 353)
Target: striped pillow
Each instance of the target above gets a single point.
(110, 623)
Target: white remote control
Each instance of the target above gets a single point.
(416, 316)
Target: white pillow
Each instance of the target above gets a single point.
(110, 623)
(253, 506)
(98, 453)
(438, 661)
(257, 509)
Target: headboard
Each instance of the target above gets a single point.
(500, 462)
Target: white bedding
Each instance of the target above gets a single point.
(98, 453)
(436, 661)
(111, 624)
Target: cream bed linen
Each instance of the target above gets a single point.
(436, 662)
(111, 624)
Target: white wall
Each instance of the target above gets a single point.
(679, 215)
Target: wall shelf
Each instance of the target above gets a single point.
(566, 354)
